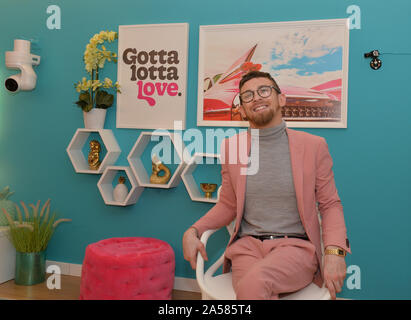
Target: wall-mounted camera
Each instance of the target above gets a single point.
(375, 62)
(23, 60)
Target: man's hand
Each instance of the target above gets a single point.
(191, 245)
(334, 273)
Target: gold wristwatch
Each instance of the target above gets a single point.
(338, 252)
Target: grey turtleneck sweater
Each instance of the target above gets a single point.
(270, 203)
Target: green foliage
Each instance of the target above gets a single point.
(85, 102)
(104, 100)
(7, 205)
(34, 233)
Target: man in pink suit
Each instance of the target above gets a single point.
(276, 244)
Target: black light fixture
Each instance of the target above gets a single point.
(375, 62)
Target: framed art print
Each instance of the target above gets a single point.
(152, 73)
(308, 59)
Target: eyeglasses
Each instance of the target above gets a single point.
(263, 92)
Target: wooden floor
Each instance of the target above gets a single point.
(70, 290)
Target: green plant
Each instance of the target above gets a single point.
(91, 94)
(7, 205)
(33, 234)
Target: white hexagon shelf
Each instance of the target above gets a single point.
(191, 185)
(137, 166)
(75, 150)
(105, 185)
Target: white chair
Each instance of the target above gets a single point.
(220, 287)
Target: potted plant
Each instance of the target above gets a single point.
(93, 100)
(30, 238)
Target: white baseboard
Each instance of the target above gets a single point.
(186, 284)
(71, 269)
(68, 269)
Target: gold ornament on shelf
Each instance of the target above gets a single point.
(208, 188)
(94, 155)
(157, 166)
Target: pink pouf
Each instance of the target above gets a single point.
(128, 269)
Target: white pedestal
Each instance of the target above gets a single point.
(7, 257)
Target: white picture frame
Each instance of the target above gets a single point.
(308, 59)
(152, 73)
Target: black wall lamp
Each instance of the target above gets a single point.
(375, 62)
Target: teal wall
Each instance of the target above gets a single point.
(371, 157)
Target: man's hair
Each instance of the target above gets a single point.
(258, 74)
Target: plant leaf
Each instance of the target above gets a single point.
(19, 213)
(47, 203)
(34, 210)
(55, 224)
(85, 96)
(84, 101)
(9, 219)
(104, 100)
(25, 210)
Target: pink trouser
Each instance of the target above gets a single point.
(265, 269)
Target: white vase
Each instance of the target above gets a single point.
(120, 192)
(95, 118)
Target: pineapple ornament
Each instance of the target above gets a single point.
(8, 205)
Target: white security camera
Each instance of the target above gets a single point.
(21, 59)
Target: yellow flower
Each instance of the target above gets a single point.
(96, 84)
(107, 83)
(95, 58)
(112, 35)
(83, 85)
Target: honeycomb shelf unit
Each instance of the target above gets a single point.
(105, 185)
(76, 154)
(136, 164)
(191, 185)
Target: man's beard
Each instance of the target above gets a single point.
(260, 119)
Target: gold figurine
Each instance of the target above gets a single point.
(94, 155)
(208, 188)
(157, 166)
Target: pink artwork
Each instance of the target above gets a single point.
(308, 59)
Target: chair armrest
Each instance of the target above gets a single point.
(200, 261)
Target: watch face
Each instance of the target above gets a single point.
(341, 252)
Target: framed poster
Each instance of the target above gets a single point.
(152, 72)
(308, 59)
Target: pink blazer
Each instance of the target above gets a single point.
(313, 181)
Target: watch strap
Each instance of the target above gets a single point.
(338, 252)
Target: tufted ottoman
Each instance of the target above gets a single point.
(128, 269)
